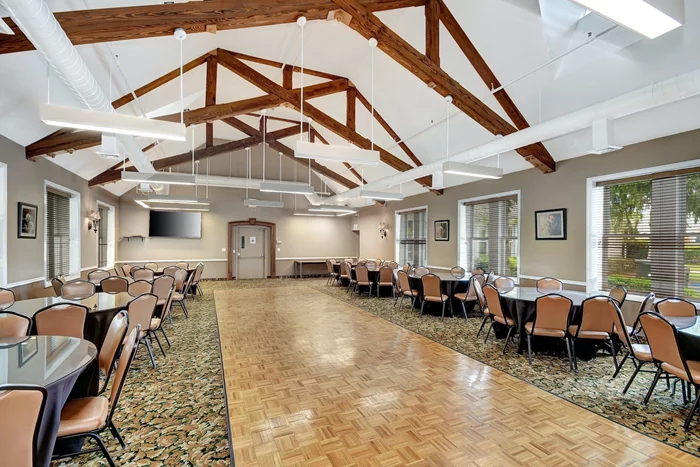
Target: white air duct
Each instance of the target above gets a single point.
(251, 183)
(38, 23)
(654, 95)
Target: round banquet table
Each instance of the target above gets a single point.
(449, 285)
(52, 362)
(688, 335)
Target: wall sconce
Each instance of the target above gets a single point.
(382, 230)
(94, 220)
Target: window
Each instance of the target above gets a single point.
(645, 234)
(105, 236)
(489, 233)
(3, 224)
(62, 231)
(411, 236)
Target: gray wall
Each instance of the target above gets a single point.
(565, 188)
(25, 257)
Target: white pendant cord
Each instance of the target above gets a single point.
(196, 187)
(280, 174)
(448, 103)
(247, 170)
(264, 122)
(301, 21)
(48, 83)
(110, 79)
(207, 178)
(372, 46)
(309, 159)
(182, 92)
(192, 126)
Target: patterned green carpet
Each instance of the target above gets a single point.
(175, 415)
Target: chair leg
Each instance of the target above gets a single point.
(614, 354)
(529, 349)
(103, 448)
(619, 367)
(483, 322)
(464, 310)
(637, 367)
(158, 341)
(116, 434)
(184, 308)
(170, 314)
(150, 351)
(573, 352)
(201, 292)
(505, 346)
(165, 335)
(400, 301)
(488, 332)
(443, 311)
(422, 305)
(653, 385)
(568, 351)
(692, 409)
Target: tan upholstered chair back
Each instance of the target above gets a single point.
(478, 271)
(421, 271)
(458, 272)
(621, 329)
(98, 275)
(329, 265)
(56, 283)
(371, 265)
(143, 274)
(362, 274)
(141, 311)
(647, 304)
(392, 264)
(479, 291)
(404, 283)
(348, 269)
(13, 325)
(480, 278)
(619, 293)
(162, 286)
(471, 291)
(127, 356)
(61, 320)
(183, 265)
(386, 275)
(503, 282)
(343, 270)
(675, 308)
(22, 408)
(126, 270)
(431, 286)
(139, 288)
(552, 312)
(198, 273)
(171, 270)
(662, 339)
(490, 277)
(114, 284)
(549, 283)
(152, 266)
(7, 298)
(113, 340)
(180, 278)
(406, 268)
(77, 289)
(493, 301)
(597, 314)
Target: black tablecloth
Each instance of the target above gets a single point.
(448, 286)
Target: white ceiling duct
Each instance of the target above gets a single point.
(250, 183)
(654, 95)
(38, 23)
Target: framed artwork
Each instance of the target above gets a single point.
(442, 231)
(26, 220)
(550, 224)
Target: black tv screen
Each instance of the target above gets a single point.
(175, 224)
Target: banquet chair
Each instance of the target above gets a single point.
(141, 311)
(596, 324)
(22, 409)
(14, 325)
(331, 273)
(362, 279)
(152, 266)
(551, 319)
(197, 278)
(668, 357)
(504, 283)
(647, 305)
(157, 321)
(114, 284)
(406, 268)
(111, 345)
(392, 264)
(77, 289)
(61, 320)
(97, 276)
(7, 298)
(344, 273)
(478, 270)
(549, 283)
(183, 265)
(479, 291)
(469, 295)
(57, 283)
(386, 279)
(163, 288)
(406, 290)
(421, 271)
(372, 265)
(638, 353)
(126, 270)
(498, 314)
(432, 292)
(458, 272)
(618, 293)
(490, 277)
(675, 308)
(182, 279)
(90, 416)
(144, 274)
(137, 288)
(171, 270)
(361, 262)
(351, 281)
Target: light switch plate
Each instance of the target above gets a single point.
(223, 249)
(279, 249)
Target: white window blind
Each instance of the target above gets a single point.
(57, 235)
(645, 234)
(489, 235)
(411, 239)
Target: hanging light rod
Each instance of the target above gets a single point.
(285, 187)
(262, 203)
(174, 199)
(307, 214)
(381, 195)
(333, 153)
(142, 203)
(106, 122)
(165, 178)
(471, 170)
(331, 208)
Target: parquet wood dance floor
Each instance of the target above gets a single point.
(313, 381)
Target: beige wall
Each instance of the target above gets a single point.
(565, 188)
(25, 183)
(300, 237)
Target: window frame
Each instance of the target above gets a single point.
(3, 224)
(461, 228)
(75, 220)
(591, 184)
(397, 231)
(111, 236)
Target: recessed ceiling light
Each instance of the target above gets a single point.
(471, 170)
(637, 15)
(165, 178)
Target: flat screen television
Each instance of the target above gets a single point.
(176, 224)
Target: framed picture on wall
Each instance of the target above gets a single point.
(26, 220)
(550, 224)
(442, 231)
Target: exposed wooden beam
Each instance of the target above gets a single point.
(489, 78)
(243, 70)
(210, 97)
(351, 107)
(283, 67)
(369, 25)
(63, 140)
(137, 22)
(288, 77)
(432, 31)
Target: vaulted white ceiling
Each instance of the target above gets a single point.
(514, 37)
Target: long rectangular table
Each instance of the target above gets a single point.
(299, 265)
